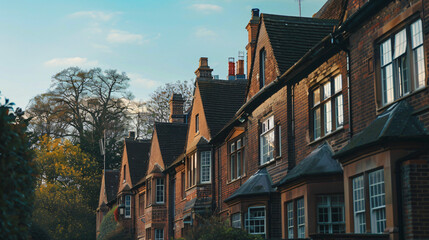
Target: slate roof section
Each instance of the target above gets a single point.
(318, 162)
(171, 140)
(258, 184)
(221, 99)
(111, 182)
(138, 158)
(292, 37)
(396, 124)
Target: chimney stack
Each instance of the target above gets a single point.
(252, 29)
(132, 135)
(204, 71)
(176, 108)
(231, 69)
(240, 66)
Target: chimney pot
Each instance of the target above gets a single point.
(255, 12)
(132, 135)
(231, 68)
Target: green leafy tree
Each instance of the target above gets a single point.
(66, 176)
(17, 180)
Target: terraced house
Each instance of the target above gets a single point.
(327, 139)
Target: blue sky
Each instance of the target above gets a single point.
(154, 42)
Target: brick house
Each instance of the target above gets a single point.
(327, 140)
(107, 199)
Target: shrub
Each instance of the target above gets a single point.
(109, 225)
(214, 228)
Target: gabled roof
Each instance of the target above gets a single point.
(111, 181)
(292, 37)
(318, 162)
(221, 99)
(396, 124)
(258, 184)
(138, 158)
(171, 140)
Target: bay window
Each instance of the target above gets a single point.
(127, 206)
(374, 183)
(160, 190)
(236, 220)
(255, 220)
(159, 234)
(402, 67)
(330, 214)
(205, 162)
(290, 220)
(300, 216)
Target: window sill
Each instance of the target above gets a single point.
(268, 163)
(340, 129)
(235, 180)
(381, 109)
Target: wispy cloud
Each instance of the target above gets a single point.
(71, 62)
(140, 81)
(102, 48)
(118, 36)
(203, 32)
(96, 15)
(206, 8)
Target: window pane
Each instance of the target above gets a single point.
(377, 201)
(416, 33)
(339, 115)
(387, 84)
(239, 163)
(238, 143)
(127, 206)
(386, 53)
(316, 123)
(255, 220)
(338, 83)
(400, 43)
(232, 147)
(359, 205)
(205, 166)
(326, 90)
(290, 219)
(236, 220)
(300, 218)
(328, 117)
(233, 170)
(267, 147)
(159, 234)
(316, 96)
(330, 214)
(159, 190)
(419, 64)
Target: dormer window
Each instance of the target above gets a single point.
(262, 60)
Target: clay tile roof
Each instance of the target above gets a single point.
(171, 140)
(221, 99)
(111, 182)
(292, 37)
(258, 184)
(138, 158)
(318, 162)
(396, 124)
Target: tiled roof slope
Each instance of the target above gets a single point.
(292, 37)
(318, 162)
(221, 99)
(396, 124)
(111, 181)
(330, 10)
(258, 184)
(171, 139)
(138, 158)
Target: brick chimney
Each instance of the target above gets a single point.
(231, 69)
(240, 66)
(176, 108)
(252, 29)
(204, 71)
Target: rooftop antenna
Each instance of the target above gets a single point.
(299, 3)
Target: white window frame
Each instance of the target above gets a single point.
(359, 213)
(127, 206)
(329, 205)
(300, 217)
(160, 191)
(377, 201)
(268, 135)
(402, 50)
(159, 234)
(252, 229)
(236, 220)
(290, 219)
(206, 166)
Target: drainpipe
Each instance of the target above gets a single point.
(219, 192)
(349, 98)
(290, 125)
